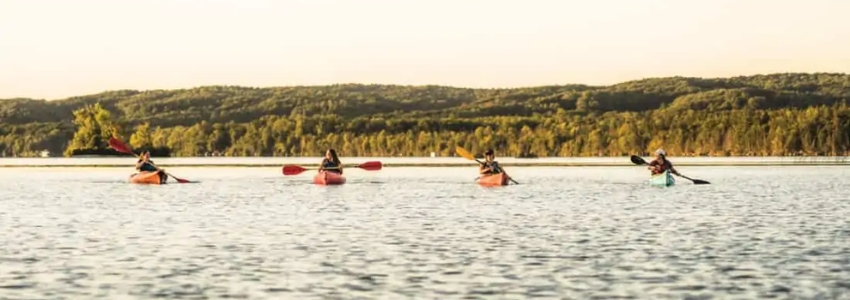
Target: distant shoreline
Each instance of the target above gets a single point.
(425, 162)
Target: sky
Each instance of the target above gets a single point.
(52, 49)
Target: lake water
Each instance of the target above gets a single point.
(426, 233)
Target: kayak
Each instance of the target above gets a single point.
(494, 180)
(146, 177)
(663, 179)
(328, 178)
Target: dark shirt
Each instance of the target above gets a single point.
(147, 166)
(667, 165)
(494, 170)
(330, 165)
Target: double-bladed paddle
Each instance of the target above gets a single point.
(465, 154)
(121, 147)
(640, 161)
(368, 166)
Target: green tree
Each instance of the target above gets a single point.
(94, 128)
(142, 137)
(776, 114)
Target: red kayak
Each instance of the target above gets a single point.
(328, 178)
(494, 180)
(146, 177)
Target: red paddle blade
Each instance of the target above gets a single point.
(119, 146)
(180, 180)
(293, 170)
(371, 165)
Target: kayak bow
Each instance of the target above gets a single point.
(147, 177)
(328, 178)
(663, 179)
(494, 180)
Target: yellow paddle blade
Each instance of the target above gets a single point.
(462, 152)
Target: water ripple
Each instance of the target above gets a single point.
(564, 233)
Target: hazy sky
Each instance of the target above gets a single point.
(59, 48)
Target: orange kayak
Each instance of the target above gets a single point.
(494, 180)
(146, 177)
(327, 178)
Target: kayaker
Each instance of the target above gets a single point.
(145, 164)
(331, 162)
(660, 163)
(490, 166)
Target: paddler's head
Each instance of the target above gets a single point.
(146, 155)
(489, 155)
(660, 154)
(331, 154)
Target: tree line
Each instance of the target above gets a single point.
(776, 114)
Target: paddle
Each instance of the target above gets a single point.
(465, 154)
(639, 161)
(121, 147)
(368, 166)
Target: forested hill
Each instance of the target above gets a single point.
(778, 114)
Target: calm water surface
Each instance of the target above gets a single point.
(426, 233)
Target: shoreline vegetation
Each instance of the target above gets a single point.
(789, 114)
(101, 162)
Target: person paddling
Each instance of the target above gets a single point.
(490, 165)
(145, 164)
(331, 162)
(660, 163)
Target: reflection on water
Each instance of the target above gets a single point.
(429, 233)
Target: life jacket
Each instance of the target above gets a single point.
(147, 166)
(331, 166)
(495, 164)
(661, 166)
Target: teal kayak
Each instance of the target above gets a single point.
(663, 179)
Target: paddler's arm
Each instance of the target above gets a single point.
(322, 165)
(652, 165)
(669, 166)
(673, 170)
(482, 169)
